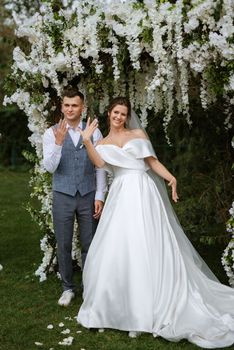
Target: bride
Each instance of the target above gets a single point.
(142, 274)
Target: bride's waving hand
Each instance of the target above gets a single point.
(86, 135)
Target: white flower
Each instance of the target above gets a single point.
(61, 324)
(1, 267)
(50, 326)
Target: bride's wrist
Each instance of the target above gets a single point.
(172, 179)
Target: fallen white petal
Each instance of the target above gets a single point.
(1, 267)
(79, 332)
(38, 343)
(66, 331)
(66, 341)
(50, 326)
(61, 324)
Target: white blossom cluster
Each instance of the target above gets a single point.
(36, 113)
(228, 254)
(48, 253)
(20, 10)
(215, 44)
(166, 44)
(82, 29)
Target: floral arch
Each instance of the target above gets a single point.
(147, 49)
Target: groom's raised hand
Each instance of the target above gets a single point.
(60, 132)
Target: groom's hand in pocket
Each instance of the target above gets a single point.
(98, 205)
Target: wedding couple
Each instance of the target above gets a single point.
(141, 273)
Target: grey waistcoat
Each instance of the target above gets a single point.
(75, 171)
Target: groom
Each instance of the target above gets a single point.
(78, 188)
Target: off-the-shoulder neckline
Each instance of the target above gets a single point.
(126, 143)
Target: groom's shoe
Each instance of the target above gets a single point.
(66, 297)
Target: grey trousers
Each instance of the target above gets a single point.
(65, 209)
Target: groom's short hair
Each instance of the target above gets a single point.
(72, 92)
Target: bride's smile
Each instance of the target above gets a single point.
(118, 117)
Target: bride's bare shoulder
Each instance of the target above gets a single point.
(139, 133)
(102, 141)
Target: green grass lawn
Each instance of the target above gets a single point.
(27, 306)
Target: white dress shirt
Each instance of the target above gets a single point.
(52, 155)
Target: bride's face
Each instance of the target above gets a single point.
(118, 116)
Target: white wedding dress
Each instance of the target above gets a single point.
(142, 273)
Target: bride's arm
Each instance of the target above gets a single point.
(162, 171)
(86, 135)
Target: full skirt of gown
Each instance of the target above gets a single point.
(140, 274)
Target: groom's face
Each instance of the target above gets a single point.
(72, 108)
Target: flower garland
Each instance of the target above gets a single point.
(148, 50)
(228, 254)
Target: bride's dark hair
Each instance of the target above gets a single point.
(120, 100)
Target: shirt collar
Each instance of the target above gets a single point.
(74, 129)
